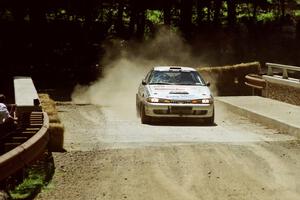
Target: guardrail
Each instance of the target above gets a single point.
(255, 82)
(22, 155)
(283, 68)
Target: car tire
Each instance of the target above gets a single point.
(210, 120)
(137, 106)
(144, 118)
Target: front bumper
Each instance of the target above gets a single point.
(179, 110)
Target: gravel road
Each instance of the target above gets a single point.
(111, 155)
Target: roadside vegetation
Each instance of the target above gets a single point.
(66, 40)
(36, 177)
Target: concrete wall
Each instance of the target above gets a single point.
(26, 96)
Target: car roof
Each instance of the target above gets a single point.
(173, 68)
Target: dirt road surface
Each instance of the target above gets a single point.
(112, 156)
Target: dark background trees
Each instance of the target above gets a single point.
(63, 38)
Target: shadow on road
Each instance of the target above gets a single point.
(180, 122)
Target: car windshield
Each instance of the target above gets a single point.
(175, 78)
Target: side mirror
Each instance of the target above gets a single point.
(207, 84)
(144, 82)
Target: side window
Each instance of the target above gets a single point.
(148, 76)
(199, 77)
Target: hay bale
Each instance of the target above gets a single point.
(54, 119)
(56, 133)
(56, 129)
(48, 104)
(44, 96)
(230, 80)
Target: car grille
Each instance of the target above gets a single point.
(180, 112)
(181, 101)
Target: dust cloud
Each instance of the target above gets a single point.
(116, 89)
(123, 73)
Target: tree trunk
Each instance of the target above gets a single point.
(133, 19)
(209, 5)
(119, 24)
(217, 10)
(231, 4)
(37, 12)
(282, 8)
(141, 24)
(167, 15)
(254, 14)
(186, 15)
(200, 12)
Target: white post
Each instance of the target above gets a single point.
(270, 71)
(285, 74)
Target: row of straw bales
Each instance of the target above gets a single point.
(230, 80)
(56, 128)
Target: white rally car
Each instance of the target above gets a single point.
(174, 92)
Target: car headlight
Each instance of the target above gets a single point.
(195, 101)
(206, 101)
(202, 101)
(152, 100)
(157, 100)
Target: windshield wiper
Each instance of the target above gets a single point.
(160, 83)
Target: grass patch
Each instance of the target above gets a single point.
(31, 185)
(37, 176)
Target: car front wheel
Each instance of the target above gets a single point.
(144, 118)
(137, 106)
(210, 120)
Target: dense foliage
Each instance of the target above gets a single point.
(66, 35)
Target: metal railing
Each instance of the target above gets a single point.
(255, 81)
(283, 68)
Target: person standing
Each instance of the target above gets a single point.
(7, 122)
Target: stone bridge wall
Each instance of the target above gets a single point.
(283, 90)
(283, 93)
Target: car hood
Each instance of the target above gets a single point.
(179, 92)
